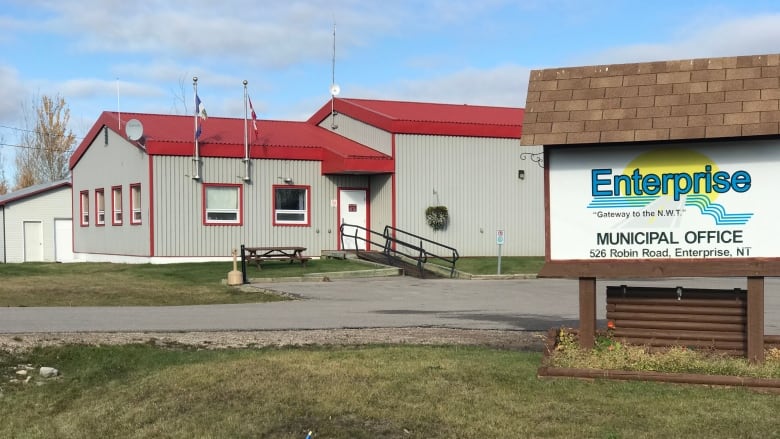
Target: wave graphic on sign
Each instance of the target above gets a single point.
(702, 202)
(618, 202)
(717, 211)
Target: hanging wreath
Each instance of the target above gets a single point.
(437, 217)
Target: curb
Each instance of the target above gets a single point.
(762, 384)
(325, 277)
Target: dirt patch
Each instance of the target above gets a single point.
(510, 340)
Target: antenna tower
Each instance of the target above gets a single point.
(334, 88)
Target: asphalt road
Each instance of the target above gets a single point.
(521, 304)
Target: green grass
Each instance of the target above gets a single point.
(611, 354)
(143, 391)
(105, 284)
(489, 265)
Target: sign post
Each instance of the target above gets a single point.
(500, 242)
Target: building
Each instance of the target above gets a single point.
(36, 224)
(150, 192)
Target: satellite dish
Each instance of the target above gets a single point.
(335, 90)
(134, 129)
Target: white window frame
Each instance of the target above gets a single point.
(303, 213)
(116, 205)
(100, 207)
(213, 215)
(136, 216)
(84, 208)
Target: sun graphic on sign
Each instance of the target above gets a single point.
(672, 161)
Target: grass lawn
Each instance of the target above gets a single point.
(105, 284)
(354, 392)
(489, 265)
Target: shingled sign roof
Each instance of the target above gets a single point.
(654, 101)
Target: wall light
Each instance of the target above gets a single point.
(287, 180)
(521, 174)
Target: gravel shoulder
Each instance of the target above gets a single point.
(497, 339)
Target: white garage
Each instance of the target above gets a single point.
(36, 224)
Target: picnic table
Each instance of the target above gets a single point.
(257, 255)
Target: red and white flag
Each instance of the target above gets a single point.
(254, 115)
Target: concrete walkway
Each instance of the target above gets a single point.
(518, 304)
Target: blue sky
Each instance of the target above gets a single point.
(140, 56)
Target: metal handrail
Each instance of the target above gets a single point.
(451, 260)
(391, 244)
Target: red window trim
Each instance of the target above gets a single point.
(133, 221)
(273, 205)
(98, 192)
(82, 195)
(240, 187)
(114, 222)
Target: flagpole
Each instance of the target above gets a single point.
(196, 158)
(246, 135)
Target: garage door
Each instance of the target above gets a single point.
(63, 240)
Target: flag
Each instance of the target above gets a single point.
(254, 115)
(200, 112)
(200, 109)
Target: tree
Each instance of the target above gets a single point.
(47, 145)
(3, 181)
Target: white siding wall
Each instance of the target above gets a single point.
(178, 206)
(42, 208)
(104, 166)
(477, 179)
(362, 133)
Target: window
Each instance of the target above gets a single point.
(84, 208)
(116, 205)
(135, 203)
(222, 204)
(100, 207)
(291, 205)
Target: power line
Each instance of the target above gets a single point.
(37, 132)
(22, 146)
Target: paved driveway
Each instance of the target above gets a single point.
(523, 304)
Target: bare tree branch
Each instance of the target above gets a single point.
(47, 145)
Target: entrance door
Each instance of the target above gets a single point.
(63, 240)
(353, 209)
(33, 241)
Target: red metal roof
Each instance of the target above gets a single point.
(429, 118)
(224, 137)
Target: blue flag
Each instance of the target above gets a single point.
(200, 112)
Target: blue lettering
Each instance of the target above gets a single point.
(677, 184)
(596, 182)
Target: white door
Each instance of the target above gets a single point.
(353, 210)
(33, 241)
(63, 240)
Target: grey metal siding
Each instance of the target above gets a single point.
(381, 193)
(178, 206)
(361, 132)
(118, 163)
(477, 179)
(43, 208)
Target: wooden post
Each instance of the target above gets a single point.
(755, 319)
(587, 312)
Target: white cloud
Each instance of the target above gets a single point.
(275, 34)
(12, 94)
(499, 86)
(740, 36)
